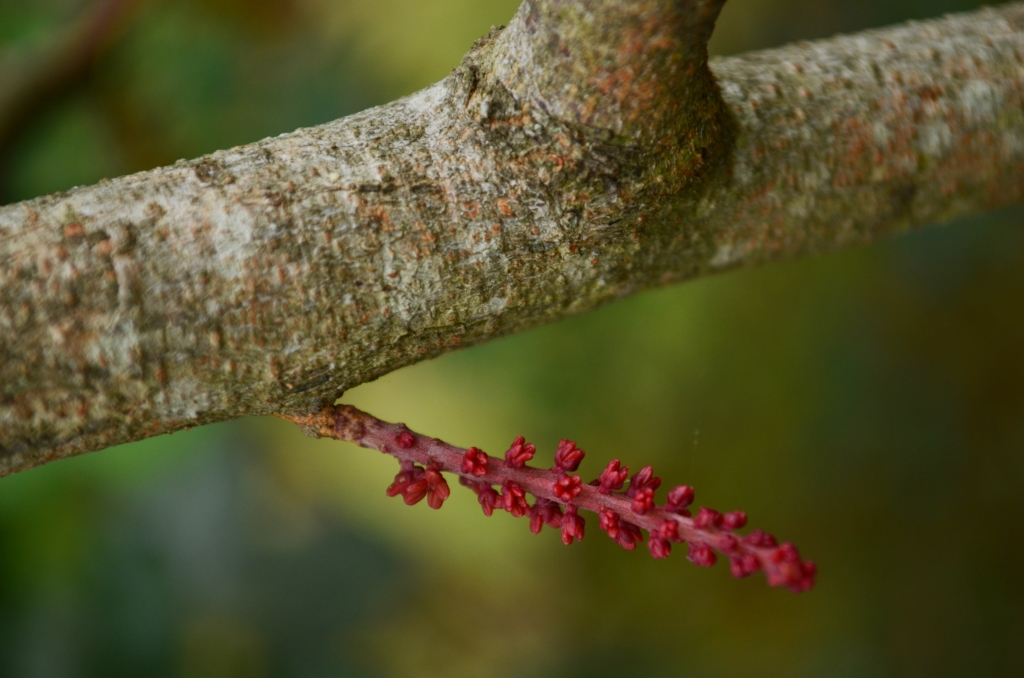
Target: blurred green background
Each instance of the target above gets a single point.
(868, 405)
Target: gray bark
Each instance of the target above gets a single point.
(581, 154)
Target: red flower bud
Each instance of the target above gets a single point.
(612, 477)
(396, 488)
(567, 487)
(659, 547)
(643, 501)
(728, 544)
(743, 566)
(485, 494)
(629, 535)
(669, 529)
(415, 492)
(409, 474)
(785, 569)
(475, 462)
(520, 453)
(808, 571)
(759, 538)
(572, 525)
(786, 552)
(609, 522)
(643, 480)
(437, 488)
(514, 498)
(701, 554)
(545, 511)
(706, 518)
(679, 498)
(568, 456)
(489, 500)
(734, 520)
(405, 440)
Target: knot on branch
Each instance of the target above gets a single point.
(624, 87)
(638, 69)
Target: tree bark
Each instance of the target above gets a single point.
(583, 153)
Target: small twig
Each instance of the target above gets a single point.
(622, 512)
(48, 77)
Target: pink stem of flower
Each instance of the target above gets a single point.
(781, 563)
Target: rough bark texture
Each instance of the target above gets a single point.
(579, 155)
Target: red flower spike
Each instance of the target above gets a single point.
(572, 525)
(623, 515)
(643, 501)
(659, 547)
(629, 535)
(679, 498)
(568, 456)
(643, 480)
(514, 498)
(475, 462)
(706, 518)
(567, 488)
(520, 453)
(734, 520)
(701, 554)
(609, 522)
(612, 477)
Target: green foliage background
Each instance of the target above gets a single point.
(868, 405)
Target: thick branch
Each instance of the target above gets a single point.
(579, 155)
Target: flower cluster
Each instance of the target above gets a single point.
(414, 482)
(624, 511)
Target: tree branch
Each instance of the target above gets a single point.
(581, 154)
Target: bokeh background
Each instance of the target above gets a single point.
(868, 405)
